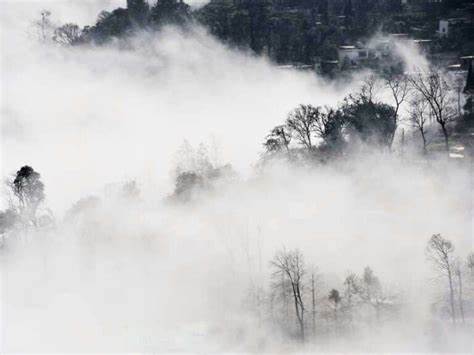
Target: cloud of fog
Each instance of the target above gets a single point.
(149, 276)
(106, 114)
(152, 277)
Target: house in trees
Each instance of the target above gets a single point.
(352, 55)
(423, 45)
(466, 61)
(329, 67)
(449, 27)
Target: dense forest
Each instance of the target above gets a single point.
(288, 31)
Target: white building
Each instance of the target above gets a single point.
(447, 25)
(443, 30)
(352, 54)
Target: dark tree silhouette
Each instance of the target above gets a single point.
(370, 121)
(419, 117)
(302, 123)
(438, 92)
(29, 191)
(68, 34)
(169, 12)
(278, 139)
(290, 265)
(335, 298)
(138, 11)
(186, 183)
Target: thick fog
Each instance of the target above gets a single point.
(150, 275)
(105, 115)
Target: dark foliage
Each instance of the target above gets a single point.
(28, 188)
(109, 25)
(370, 121)
(165, 12)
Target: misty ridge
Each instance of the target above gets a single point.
(226, 177)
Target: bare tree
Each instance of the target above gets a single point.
(368, 290)
(302, 123)
(436, 89)
(43, 26)
(458, 87)
(68, 34)
(399, 90)
(328, 125)
(281, 291)
(278, 139)
(458, 272)
(313, 301)
(351, 288)
(371, 291)
(439, 251)
(290, 265)
(368, 89)
(470, 263)
(419, 117)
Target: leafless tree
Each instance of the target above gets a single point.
(470, 263)
(314, 279)
(281, 293)
(290, 266)
(68, 34)
(368, 89)
(43, 26)
(458, 86)
(278, 139)
(368, 290)
(437, 90)
(302, 123)
(419, 118)
(458, 272)
(326, 123)
(399, 90)
(439, 251)
(371, 291)
(351, 287)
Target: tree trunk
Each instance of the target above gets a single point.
(423, 137)
(461, 306)
(302, 327)
(298, 310)
(314, 305)
(377, 313)
(451, 295)
(446, 137)
(395, 122)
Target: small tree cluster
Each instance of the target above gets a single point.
(299, 305)
(26, 192)
(327, 131)
(196, 171)
(440, 252)
(435, 97)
